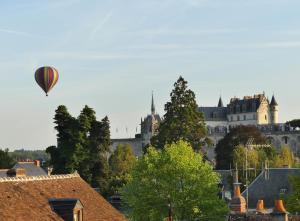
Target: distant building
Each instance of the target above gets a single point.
(26, 168)
(57, 197)
(149, 128)
(250, 110)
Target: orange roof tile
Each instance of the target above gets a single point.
(27, 198)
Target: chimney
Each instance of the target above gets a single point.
(260, 208)
(37, 163)
(49, 170)
(279, 212)
(238, 203)
(19, 172)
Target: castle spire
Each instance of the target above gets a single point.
(220, 104)
(152, 105)
(273, 101)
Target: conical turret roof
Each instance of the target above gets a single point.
(273, 101)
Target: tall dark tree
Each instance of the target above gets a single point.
(6, 162)
(182, 120)
(237, 136)
(62, 156)
(82, 145)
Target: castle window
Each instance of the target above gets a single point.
(238, 117)
(265, 117)
(244, 117)
(254, 117)
(231, 118)
(244, 107)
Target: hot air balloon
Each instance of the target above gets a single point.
(46, 77)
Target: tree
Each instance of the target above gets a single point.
(294, 123)
(176, 180)
(6, 162)
(284, 158)
(238, 135)
(182, 120)
(293, 199)
(121, 162)
(82, 145)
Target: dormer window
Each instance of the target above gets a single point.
(67, 208)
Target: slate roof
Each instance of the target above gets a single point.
(27, 198)
(273, 101)
(214, 113)
(247, 104)
(30, 168)
(3, 173)
(268, 186)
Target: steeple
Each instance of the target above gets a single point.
(220, 104)
(273, 101)
(152, 105)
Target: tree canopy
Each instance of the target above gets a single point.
(176, 180)
(294, 123)
(121, 162)
(182, 119)
(82, 145)
(238, 135)
(6, 161)
(293, 200)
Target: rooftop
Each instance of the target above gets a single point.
(27, 198)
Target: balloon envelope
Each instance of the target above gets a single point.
(46, 77)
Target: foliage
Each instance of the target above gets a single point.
(284, 158)
(294, 123)
(120, 162)
(256, 159)
(82, 145)
(6, 161)
(237, 136)
(177, 179)
(23, 155)
(293, 200)
(182, 120)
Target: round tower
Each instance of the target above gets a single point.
(274, 111)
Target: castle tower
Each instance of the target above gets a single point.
(274, 111)
(152, 105)
(220, 103)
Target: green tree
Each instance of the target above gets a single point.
(182, 120)
(174, 179)
(121, 162)
(237, 136)
(63, 156)
(293, 200)
(6, 162)
(82, 145)
(294, 123)
(284, 158)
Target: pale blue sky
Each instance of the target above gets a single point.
(111, 54)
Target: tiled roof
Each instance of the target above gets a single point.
(30, 168)
(27, 198)
(268, 186)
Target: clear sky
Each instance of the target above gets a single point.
(111, 54)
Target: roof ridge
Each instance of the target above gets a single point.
(37, 178)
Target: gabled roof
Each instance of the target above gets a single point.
(268, 186)
(247, 104)
(30, 168)
(27, 198)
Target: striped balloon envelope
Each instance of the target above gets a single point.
(46, 77)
